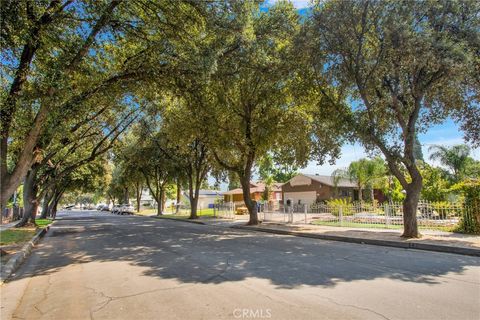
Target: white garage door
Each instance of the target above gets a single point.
(307, 197)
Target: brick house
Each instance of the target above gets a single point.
(257, 190)
(308, 189)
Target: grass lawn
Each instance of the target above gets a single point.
(356, 224)
(171, 216)
(43, 222)
(14, 236)
(200, 213)
(19, 235)
(147, 212)
(377, 225)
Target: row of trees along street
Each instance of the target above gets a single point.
(170, 92)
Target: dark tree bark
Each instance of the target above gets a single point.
(47, 198)
(197, 169)
(52, 209)
(125, 199)
(30, 201)
(164, 200)
(179, 196)
(159, 199)
(138, 192)
(194, 192)
(249, 203)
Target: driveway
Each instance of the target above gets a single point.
(95, 265)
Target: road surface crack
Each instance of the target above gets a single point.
(44, 296)
(109, 299)
(352, 306)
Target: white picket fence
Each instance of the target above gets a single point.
(387, 215)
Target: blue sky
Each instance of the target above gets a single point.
(299, 4)
(446, 134)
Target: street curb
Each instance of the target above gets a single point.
(375, 242)
(181, 220)
(19, 257)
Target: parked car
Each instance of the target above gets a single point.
(103, 207)
(127, 209)
(116, 209)
(124, 209)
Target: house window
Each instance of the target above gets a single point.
(344, 193)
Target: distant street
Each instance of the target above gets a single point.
(95, 265)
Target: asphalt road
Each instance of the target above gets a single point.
(100, 266)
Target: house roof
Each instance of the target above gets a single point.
(256, 187)
(206, 192)
(328, 180)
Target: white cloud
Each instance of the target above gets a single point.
(349, 153)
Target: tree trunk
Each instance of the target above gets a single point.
(193, 208)
(372, 195)
(164, 200)
(10, 182)
(194, 200)
(179, 196)
(45, 206)
(410, 227)
(139, 195)
(126, 199)
(54, 203)
(30, 202)
(249, 203)
(160, 202)
(53, 209)
(360, 194)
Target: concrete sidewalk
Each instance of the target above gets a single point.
(7, 226)
(431, 240)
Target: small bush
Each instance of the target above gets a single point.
(336, 204)
(470, 220)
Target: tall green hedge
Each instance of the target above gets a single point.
(470, 221)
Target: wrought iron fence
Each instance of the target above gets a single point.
(225, 210)
(436, 215)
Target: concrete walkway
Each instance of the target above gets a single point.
(430, 240)
(7, 226)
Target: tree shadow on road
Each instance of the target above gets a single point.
(202, 254)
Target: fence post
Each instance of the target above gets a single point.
(305, 213)
(340, 215)
(386, 211)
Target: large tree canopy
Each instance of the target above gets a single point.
(58, 56)
(402, 66)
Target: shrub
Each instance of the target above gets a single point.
(336, 204)
(470, 220)
(440, 208)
